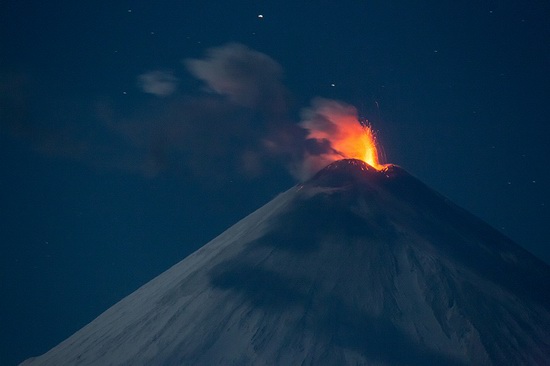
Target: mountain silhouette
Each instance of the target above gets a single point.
(356, 266)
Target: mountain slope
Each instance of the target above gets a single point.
(355, 266)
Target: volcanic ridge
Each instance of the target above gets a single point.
(355, 266)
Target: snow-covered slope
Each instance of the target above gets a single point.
(355, 266)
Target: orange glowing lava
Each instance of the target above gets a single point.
(348, 138)
(335, 128)
(368, 148)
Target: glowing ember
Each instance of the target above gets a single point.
(337, 124)
(370, 150)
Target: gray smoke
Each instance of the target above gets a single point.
(236, 127)
(247, 77)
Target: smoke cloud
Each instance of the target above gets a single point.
(238, 126)
(247, 77)
(159, 83)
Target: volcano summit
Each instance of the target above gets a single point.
(355, 266)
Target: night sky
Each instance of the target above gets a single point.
(133, 132)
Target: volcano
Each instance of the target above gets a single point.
(356, 266)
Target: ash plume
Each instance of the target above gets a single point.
(159, 83)
(248, 78)
(239, 125)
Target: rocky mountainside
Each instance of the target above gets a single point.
(354, 266)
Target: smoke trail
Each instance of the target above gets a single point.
(159, 83)
(238, 126)
(247, 77)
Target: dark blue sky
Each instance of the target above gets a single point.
(103, 186)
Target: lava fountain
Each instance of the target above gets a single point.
(337, 127)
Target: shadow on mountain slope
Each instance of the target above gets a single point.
(331, 318)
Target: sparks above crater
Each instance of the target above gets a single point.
(338, 127)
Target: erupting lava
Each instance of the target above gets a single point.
(336, 126)
(369, 148)
(355, 141)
